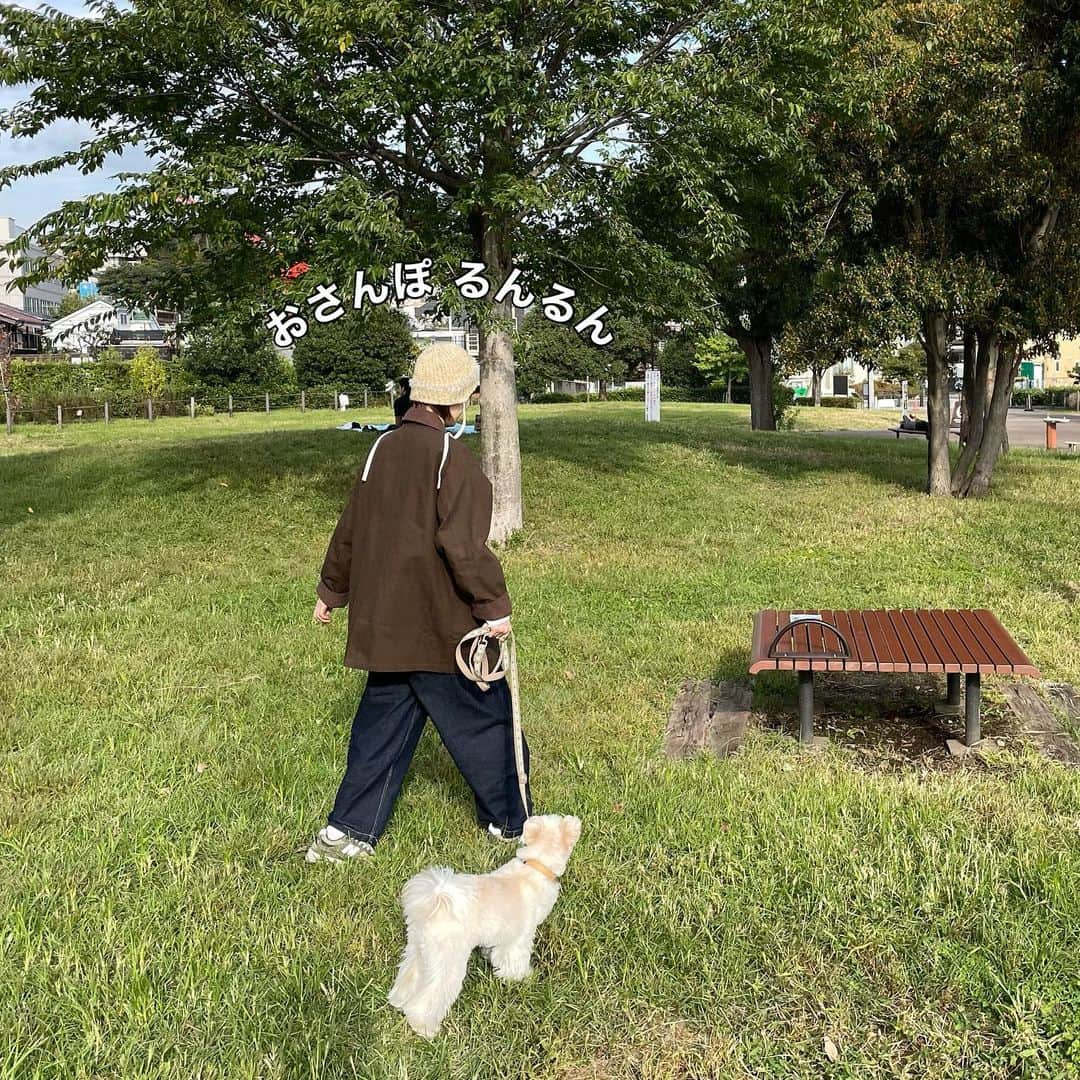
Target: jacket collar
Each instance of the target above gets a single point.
(417, 414)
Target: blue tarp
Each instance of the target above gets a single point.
(355, 425)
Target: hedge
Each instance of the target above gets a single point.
(1060, 396)
(715, 394)
(830, 402)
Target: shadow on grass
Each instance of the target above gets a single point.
(255, 463)
(56, 483)
(618, 445)
(887, 720)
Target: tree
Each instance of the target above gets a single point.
(971, 223)
(747, 186)
(232, 354)
(546, 352)
(180, 275)
(71, 303)
(147, 374)
(907, 364)
(346, 135)
(364, 350)
(718, 357)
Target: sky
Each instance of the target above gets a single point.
(30, 199)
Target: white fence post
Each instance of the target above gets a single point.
(303, 401)
(267, 400)
(59, 416)
(230, 404)
(106, 412)
(191, 407)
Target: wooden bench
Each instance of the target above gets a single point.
(968, 643)
(925, 434)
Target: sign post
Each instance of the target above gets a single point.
(652, 395)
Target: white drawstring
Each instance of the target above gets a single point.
(464, 419)
(446, 441)
(445, 451)
(371, 454)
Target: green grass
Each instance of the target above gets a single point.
(174, 726)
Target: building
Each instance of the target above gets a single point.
(1057, 370)
(428, 326)
(43, 299)
(23, 330)
(111, 324)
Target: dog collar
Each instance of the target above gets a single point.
(540, 868)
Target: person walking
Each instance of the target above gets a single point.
(409, 557)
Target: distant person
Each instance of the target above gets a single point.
(403, 401)
(910, 422)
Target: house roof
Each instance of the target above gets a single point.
(88, 313)
(9, 314)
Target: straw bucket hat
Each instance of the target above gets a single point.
(444, 374)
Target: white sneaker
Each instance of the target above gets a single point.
(497, 834)
(336, 848)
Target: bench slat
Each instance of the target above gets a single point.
(949, 660)
(931, 657)
(990, 655)
(911, 649)
(1021, 662)
(961, 654)
(887, 659)
(955, 641)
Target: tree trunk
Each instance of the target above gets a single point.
(815, 385)
(936, 345)
(994, 437)
(727, 396)
(988, 345)
(758, 349)
(499, 448)
(967, 388)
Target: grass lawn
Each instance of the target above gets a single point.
(174, 726)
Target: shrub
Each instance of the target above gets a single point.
(359, 350)
(147, 374)
(830, 402)
(557, 399)
(232, 354)
(783, 405)
(1047, 397)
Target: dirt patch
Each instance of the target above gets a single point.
(889, 723)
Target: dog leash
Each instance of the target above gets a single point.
(475, 664)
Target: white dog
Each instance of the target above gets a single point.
(447, 915)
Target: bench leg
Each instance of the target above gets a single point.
(952, 693)
(806, 707)
(972, 703)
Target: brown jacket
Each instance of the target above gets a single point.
(410, 558)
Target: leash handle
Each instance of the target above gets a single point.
(476, 666)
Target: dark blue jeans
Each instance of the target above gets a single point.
(475, 725)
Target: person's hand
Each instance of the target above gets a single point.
(500, 630)
(321, 613)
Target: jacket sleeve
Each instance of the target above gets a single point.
(333, 587)
(463, 523)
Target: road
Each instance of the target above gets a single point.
(1025, 429)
